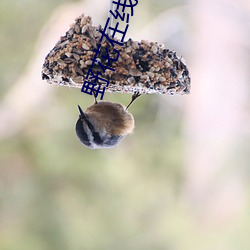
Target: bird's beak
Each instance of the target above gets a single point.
(82, 115)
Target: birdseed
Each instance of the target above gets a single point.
(144, 67)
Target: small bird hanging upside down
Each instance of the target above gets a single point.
(104, 124)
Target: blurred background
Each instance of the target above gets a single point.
(180, 182)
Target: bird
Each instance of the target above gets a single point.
(104, 124)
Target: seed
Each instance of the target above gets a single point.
(144, 78)
(84, 29)
(78, 70)
(162, 46)
(145, 42)
(85, 46)
(154, 49)
(150, 74)
(64, 43)
(68, 54)
(77, 79)
(135, 45)
(61, 62)
(152, 69)
(78, 51)
(125, 56)
(88, 44)
(128, 50)
(69, 60)
(83, 21)
(77, 57)
(88, 62)
(131, 80)
(82, 62)
(134, 72)
(77, 29)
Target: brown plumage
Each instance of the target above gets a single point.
(110, 117)
(104, 124)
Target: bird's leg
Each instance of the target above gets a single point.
(134, 97)
(95, 97)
